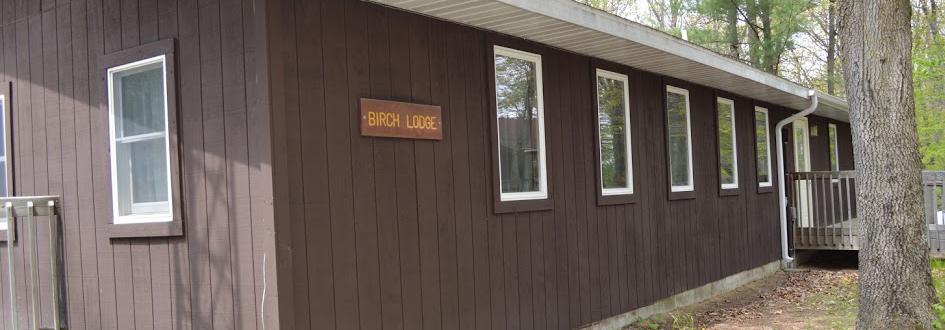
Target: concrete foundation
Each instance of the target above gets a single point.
(687, 298)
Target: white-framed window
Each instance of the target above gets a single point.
(520, 120)
(801, 128)
(728, 158)
(762, 147)
(140, 150)
(613, 131)
(680, 139)
(834, 153)
(4, 155)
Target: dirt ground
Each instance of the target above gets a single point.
(821, 295)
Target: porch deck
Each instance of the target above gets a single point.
(822, 208)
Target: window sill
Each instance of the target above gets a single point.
(682, 195)
(527, 205)
(147, 229)
(730, 191)
(765, 189)
(617, 199)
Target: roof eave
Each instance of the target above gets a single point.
(585, 30)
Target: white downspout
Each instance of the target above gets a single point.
(787, 261)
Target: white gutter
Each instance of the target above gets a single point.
(787, 260)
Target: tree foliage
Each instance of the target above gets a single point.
(928, 57)
(757, 31)
(616, 7)
(796, 39)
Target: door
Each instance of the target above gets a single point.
(802, 164)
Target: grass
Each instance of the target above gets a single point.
(680, 321)
(838, 305)
(938, 280)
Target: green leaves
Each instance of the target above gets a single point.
(928, 57)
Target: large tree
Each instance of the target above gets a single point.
(766, 28)
(896, 289)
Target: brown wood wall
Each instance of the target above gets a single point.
(212, 277)
(401, 234)
(820, 144)
(372, 233)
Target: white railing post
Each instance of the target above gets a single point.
(11, 271)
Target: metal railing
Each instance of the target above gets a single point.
(823, 212)
(26, 213)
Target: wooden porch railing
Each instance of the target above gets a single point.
(933, 187)
(822, 210)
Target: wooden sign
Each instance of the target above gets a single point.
(401, 120)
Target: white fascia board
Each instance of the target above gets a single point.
(588, 17)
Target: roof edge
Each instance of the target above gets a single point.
(583, 15)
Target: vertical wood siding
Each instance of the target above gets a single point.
(211, 278)
(372, 233)
(401, 234)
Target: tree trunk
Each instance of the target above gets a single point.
(731, 31)
(896, 289)
(933, 19)
(770, 50)
(755, 49)
(831, 47)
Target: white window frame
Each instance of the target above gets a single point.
(834, 151)
(6, 153)
(542, 192)
(139, 218)
(628, 190)
(806, 133)
(692, 185)
(767, 156)
(731, 103)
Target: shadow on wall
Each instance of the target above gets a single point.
(212, 276)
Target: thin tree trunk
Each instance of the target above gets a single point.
(831, 47)
(731, 31)
(755, 49)
(771, 52)
(933, 18)
(896, 289)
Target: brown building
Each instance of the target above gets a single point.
(215, 172)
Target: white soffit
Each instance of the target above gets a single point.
(581, 29)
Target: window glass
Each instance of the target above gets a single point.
(140, 165)
(614, 132)
(520, 127)
(680, 154)
(728, 163)
(834, 153)
(801, 146)
(3, 151)
(761, 147)
(4, 160)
